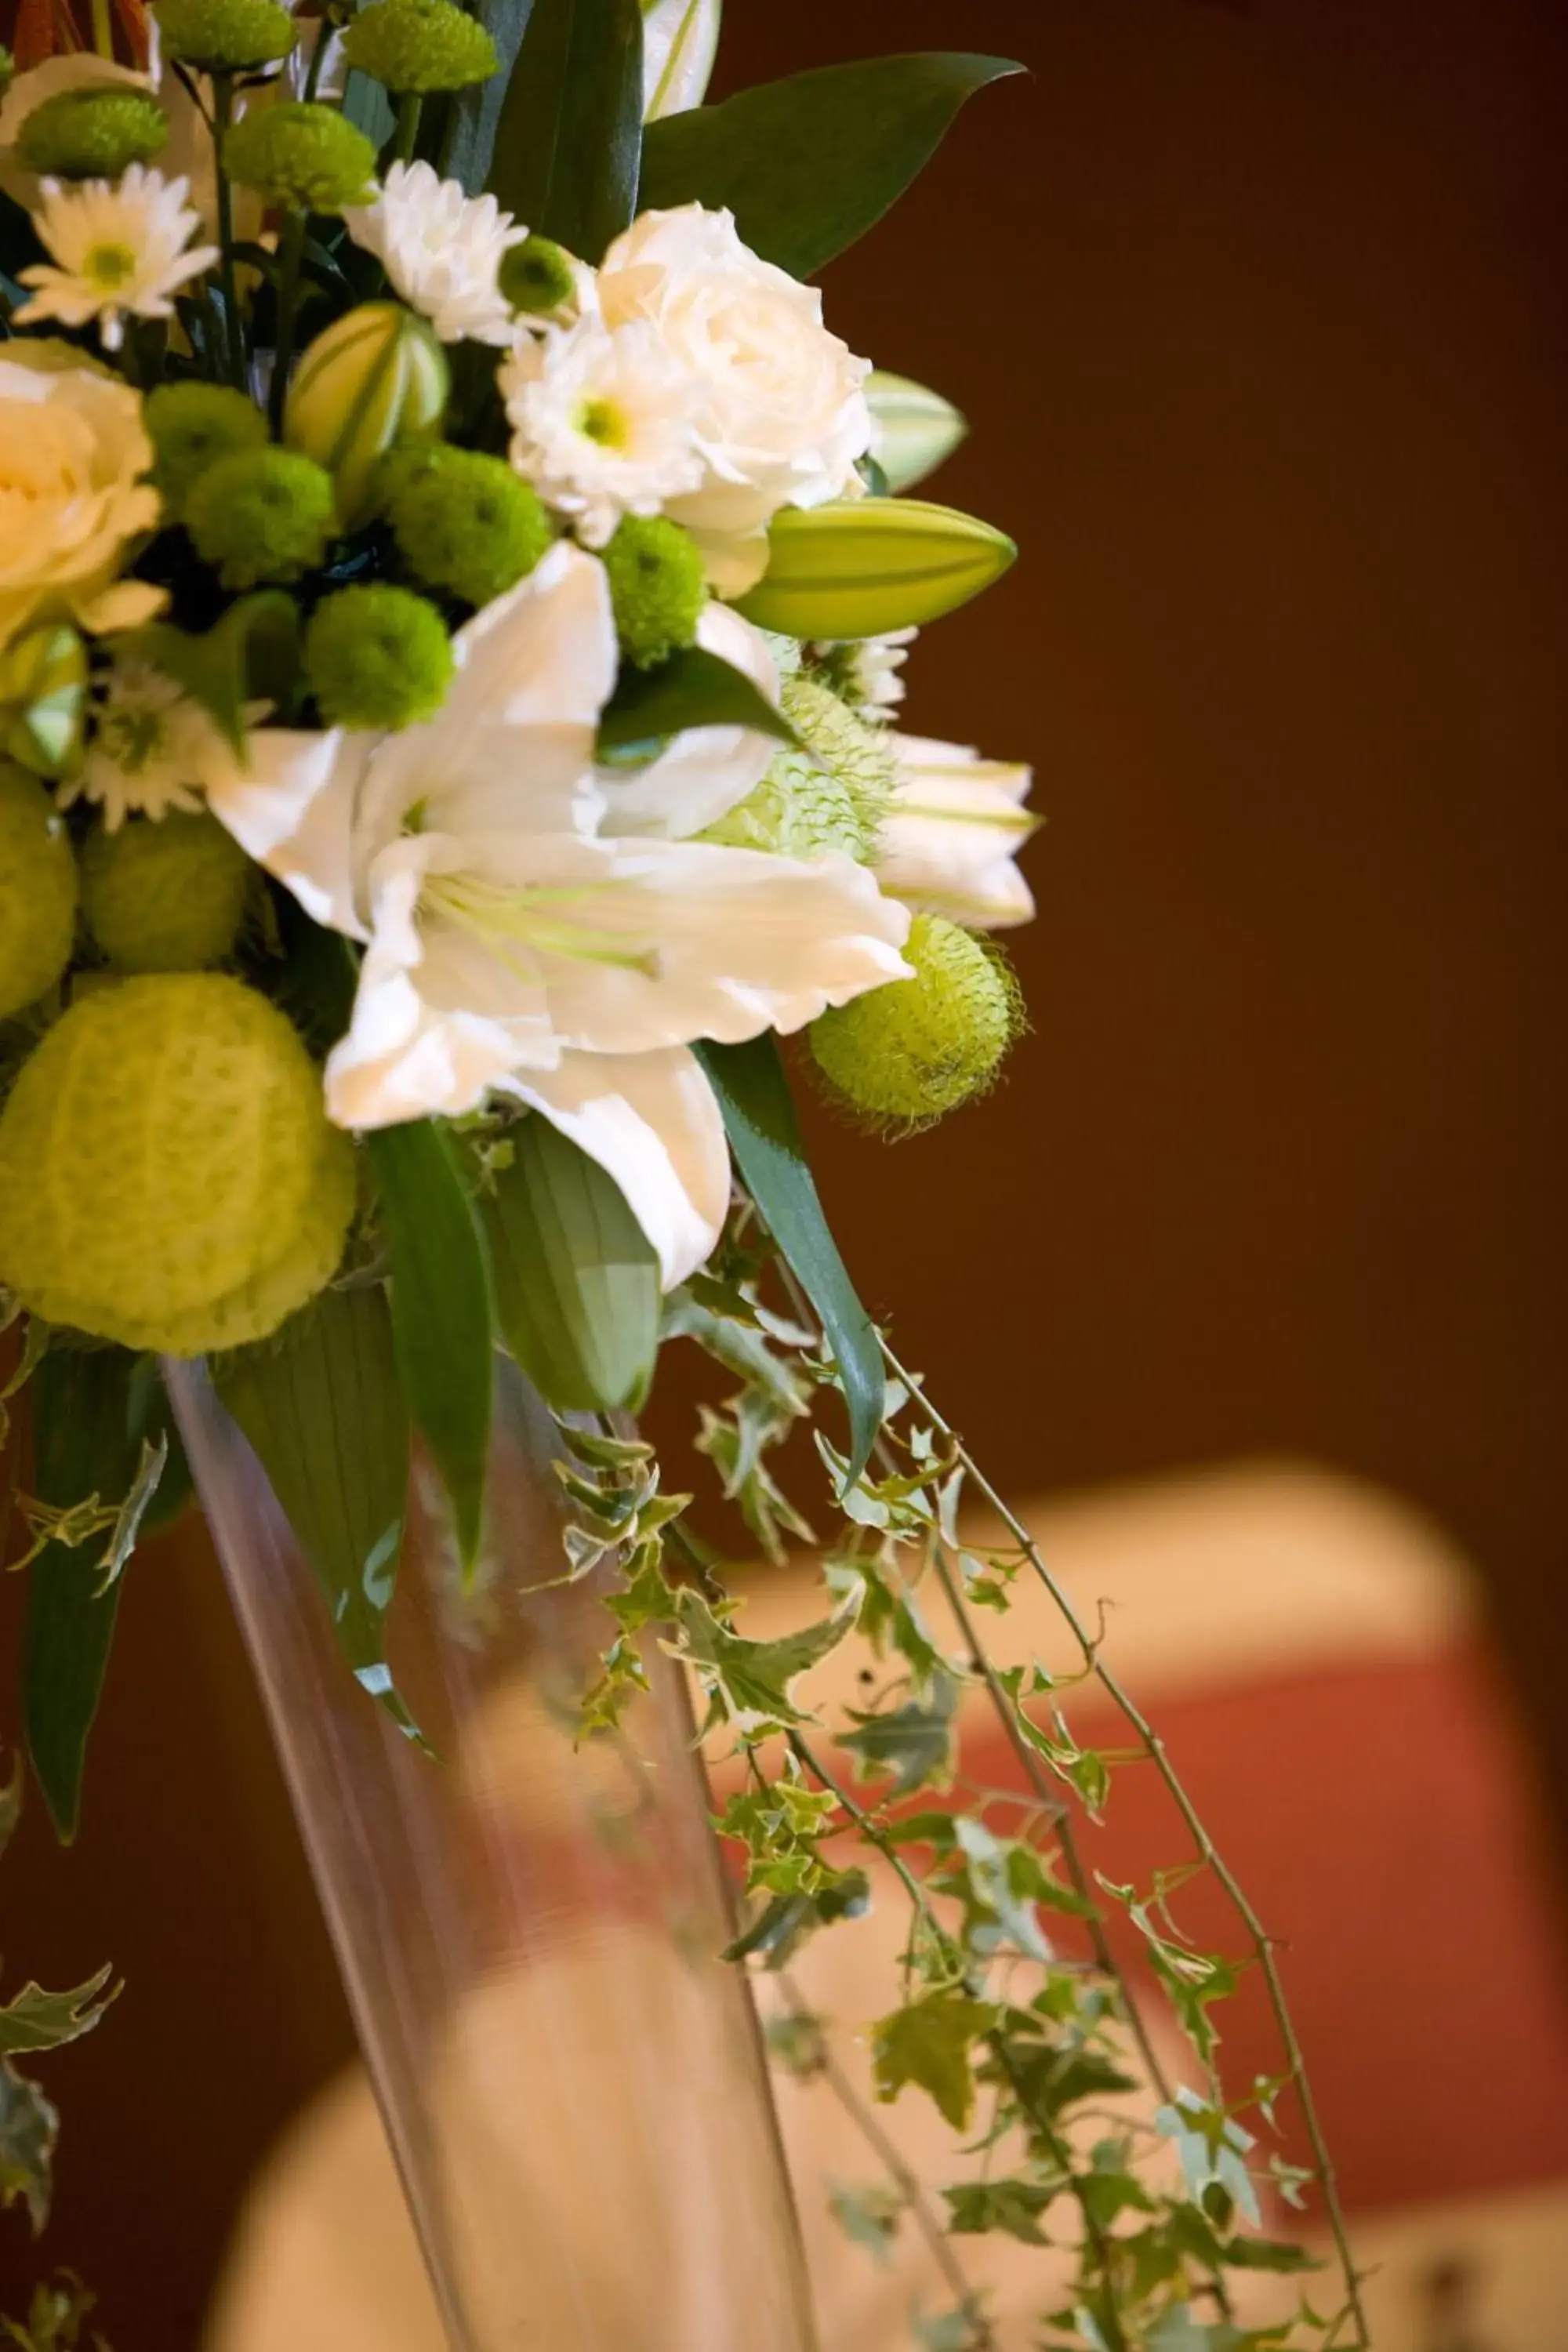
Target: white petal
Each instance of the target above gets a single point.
(702, 776)
(952, 831)
(404, 1058)
(291, 808)
(513, 745)
(651, 1123)
(680, 39)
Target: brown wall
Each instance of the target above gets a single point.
(1258, 314)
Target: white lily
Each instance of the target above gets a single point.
(680, 39)
(514, 946)
(702, 774)
(952, 831)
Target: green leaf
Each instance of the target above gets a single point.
(368, 107)
(1268, 2254)
(576, 1279)
(29, 2127)
(913, 1742)
(765, 1136)
(36, 2019)
(568, 145)
(1012, 2206)
(82, 1446)
(861, 567)
(807, 165)
(253, 651)
(11, 1805)
(929, 2044)
(692, 688)
(472, 114)
(440, 1309)
(870, 2217)
(753, 1678)
(323, 1408)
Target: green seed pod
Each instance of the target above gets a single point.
(43, 698)
(916, 430)
(864, 566)
(168, 1176)
(164, 896)
(377, 375)
(37, 892)
(905, 1053)
(576, 1279)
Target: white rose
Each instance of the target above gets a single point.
(73, 450)
(783, 414)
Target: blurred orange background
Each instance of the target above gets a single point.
(1258, 314)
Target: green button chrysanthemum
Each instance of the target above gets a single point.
(658, 587)
(192, 425)
(164, 896)
(226, 36)
(536, 276)
(464, 522)
(38, 891)
(377, 657)
(904, 1053)
(261, 514)
(92, 134)
(302, 155)
(414, 46)
(168, 1176)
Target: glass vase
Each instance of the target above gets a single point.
(528, 1930)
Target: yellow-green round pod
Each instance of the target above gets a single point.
(38, 891)
(377, 375)
(168, 1176)
(904, 1053)
(164, 896)
(862, 567)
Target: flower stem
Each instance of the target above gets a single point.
(102, 29)
(234, 333)
(290, 252)
(409, 108)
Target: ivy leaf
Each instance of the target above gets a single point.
(753, 1679)
(692, 688)
(782, 1925)
(11, 1805)
(36, 2019)
(323, 1408)
(765, 1136)
(929, 2044)
(253, 651)
(568, 145)
(29, 2127)
(82, 1446)
(913, 1742)
(1267, 2255)
(440, 1310)
(954, 2331)
(808, 164)
(1012, 2207)
(870, 2217)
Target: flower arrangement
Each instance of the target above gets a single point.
(454, 594)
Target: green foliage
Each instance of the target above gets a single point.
(929, 2043)
(568, 146)
(577, 1280)
(440, 1310)
(807, 165)
(750, 1683)
(252, 651)
(691, 689)
(29, 2126)
(56, 2317)
(322, 1407)
(765, 1136)
(35, 2020)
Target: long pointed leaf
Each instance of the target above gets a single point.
(765, 1136)
(807, 165)
(440, 1309)
(568, 146)
(323, 1408)
(83, 1445)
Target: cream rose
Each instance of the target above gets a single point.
(783, 414)
(73, 450)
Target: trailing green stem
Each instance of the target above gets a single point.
(290, 254)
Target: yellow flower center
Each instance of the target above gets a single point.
(602, 421)
(108, 267)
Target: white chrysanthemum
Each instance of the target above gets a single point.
(441, 250)
(783, 414)
(602, 423)
(154, 750)
(121, 250)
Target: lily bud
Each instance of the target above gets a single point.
(376, 376)
(864, 566)
(43, 698)
(915, 430)
(576, 1282)
(678, 41)
(952, 829)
